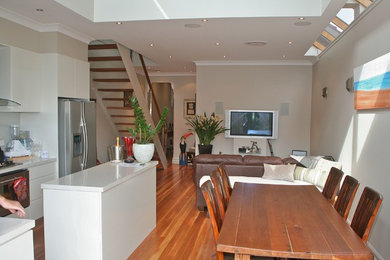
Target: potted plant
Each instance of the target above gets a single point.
(143, 132)
(206, 128)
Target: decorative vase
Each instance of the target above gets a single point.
(205, 148)
(143, 153)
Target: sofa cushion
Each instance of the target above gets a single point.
(279, 172)
(315, 176)
(232, 159)
(260, 160)
(326, 165)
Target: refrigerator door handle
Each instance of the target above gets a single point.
(85, 138)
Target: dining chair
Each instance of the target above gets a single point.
(209, 195)
(225, 179)
(365, 213)
(222, 200)
(212, 208)
(346, 195)
(332, 184)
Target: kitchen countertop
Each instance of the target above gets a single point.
(99, 178)
(11, 228)
(30, 163)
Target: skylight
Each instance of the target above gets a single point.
(345, 17)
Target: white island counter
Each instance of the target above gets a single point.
(103, 212)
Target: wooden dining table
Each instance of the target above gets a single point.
(287, 221)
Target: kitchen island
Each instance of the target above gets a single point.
(103, 212)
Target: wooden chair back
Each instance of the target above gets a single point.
(222, 200)
(225, 179)
(346, 195)
(211, 203)
(365, 213)
(332, 184)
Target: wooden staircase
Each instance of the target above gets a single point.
(110, 81)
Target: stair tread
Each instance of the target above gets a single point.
(114, 89)
(122, 115)
(112, 80)
(102, 46)
(104, 58)
(124, 123)
(107, 69)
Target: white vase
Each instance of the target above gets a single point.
(143, 153)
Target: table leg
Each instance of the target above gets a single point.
(242, 257)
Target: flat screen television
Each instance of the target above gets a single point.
(251, 124)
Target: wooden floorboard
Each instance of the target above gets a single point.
(182, 232)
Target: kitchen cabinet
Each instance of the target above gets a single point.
(73, 77)
(16, 239)
(38, 175)
(103, 212)
(41, 171)
(21, 72)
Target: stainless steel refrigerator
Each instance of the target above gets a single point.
(76, 135)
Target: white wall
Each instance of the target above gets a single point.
(183, 88)
(359, 139)
(260, 87)
(43, 125)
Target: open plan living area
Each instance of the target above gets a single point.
(176, 129)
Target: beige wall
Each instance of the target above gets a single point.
(260, 87)
(183, 88)
(359, 139)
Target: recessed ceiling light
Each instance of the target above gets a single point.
(284, 56)
(301, 18)
(290, 42)
(170, 56)
(192, 25)
(118, 23)
(217, 43)
(302, 23)
(205, 20)
(39, 10)
(151, 45)
(256, 43)
(224, 56)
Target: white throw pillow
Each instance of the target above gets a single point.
(326, 165)
(279, 172)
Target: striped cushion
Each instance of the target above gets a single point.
(315, 176)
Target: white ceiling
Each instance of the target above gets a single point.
(186, 45)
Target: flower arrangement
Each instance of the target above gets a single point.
(206, 127)
(143, 131)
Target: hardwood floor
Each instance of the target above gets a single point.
(182, 232)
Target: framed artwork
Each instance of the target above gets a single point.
(372, 84)
(189, 108)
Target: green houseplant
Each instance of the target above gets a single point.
(206, 128)
(143, 132)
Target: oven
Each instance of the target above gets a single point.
(15, 185)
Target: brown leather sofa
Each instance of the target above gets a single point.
(236, 165)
